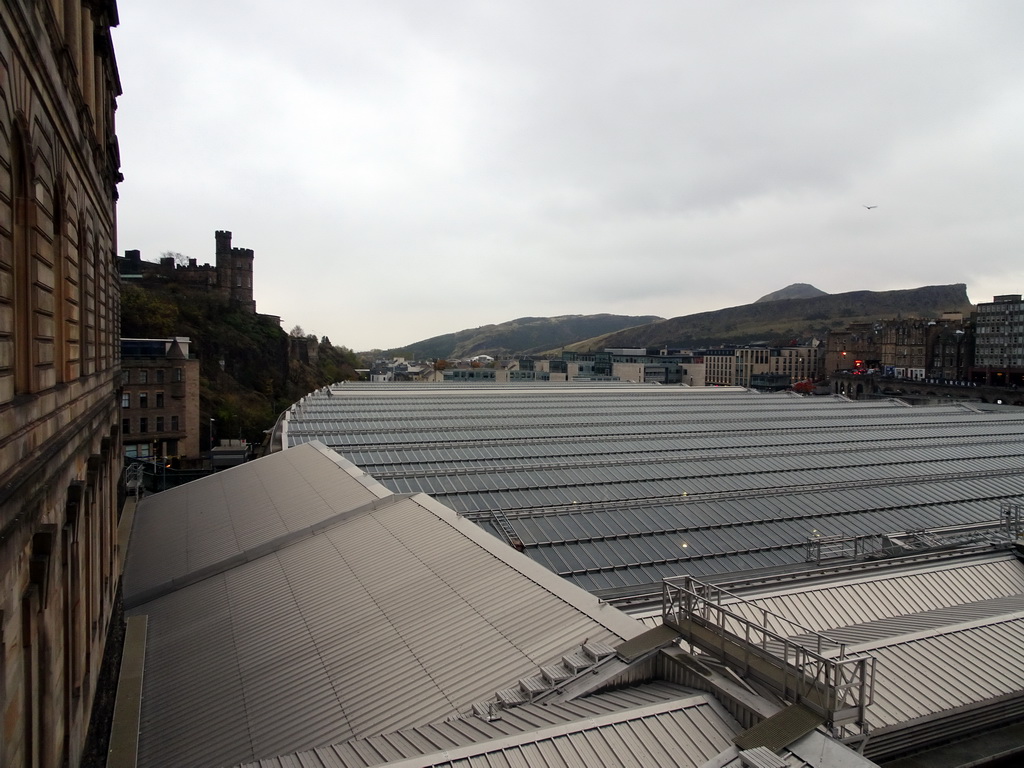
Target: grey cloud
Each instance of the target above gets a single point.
(572, 156)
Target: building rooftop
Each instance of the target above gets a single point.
(942, 636)
(299, 611)
(616, 487)
(292, 603)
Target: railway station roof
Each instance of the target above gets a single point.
(292, 602)
(616, 487)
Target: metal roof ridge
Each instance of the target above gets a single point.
(854, 573)
(260, 550)
(926, 634)
(613, 619)
(363, 478)
(582, 725)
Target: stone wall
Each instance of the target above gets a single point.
(60, 448)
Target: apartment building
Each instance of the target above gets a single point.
(159, 399)
(999, 340)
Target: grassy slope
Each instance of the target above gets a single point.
(786, 320)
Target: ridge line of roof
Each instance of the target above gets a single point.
(454, 754)
(603, 613)
(260, 550)
(928, 634)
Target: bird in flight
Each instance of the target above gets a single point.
(869, 207)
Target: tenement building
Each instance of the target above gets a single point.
(159, 399)
(904, 348)
(60, 445)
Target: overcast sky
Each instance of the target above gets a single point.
(405, 168)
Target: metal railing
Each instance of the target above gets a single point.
(133, 479)
(819, 548)
(802, 665)
(1011, 513)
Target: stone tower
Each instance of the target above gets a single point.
(234, 271)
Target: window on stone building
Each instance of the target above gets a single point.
(143, 424)
(126, 377)
(174, 423)
(159, 375)
(126, 426)
(143, 376)
(159, 423)
(179, 374)
(23, 358)
(126, 399)
(143, 399)
(159, 399)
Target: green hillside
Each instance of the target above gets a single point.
(783, 321)
(523, 336)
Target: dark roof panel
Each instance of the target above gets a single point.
(617, 486)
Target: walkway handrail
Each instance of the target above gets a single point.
(810, 667)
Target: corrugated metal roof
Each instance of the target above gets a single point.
(896, 592)
(682, 732)
(946, 636)
(949, 670)
(617, 487)
(183, 530)
(464, 731)
(392, 617)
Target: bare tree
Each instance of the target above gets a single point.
(180, 259)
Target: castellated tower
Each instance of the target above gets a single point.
(234, 271)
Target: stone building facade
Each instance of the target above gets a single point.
(908, 348)
(746, 366)
(60, 442)
(159, 399)
(234, 271)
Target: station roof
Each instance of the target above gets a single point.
(615, 487)
(959, 623)
(293, 602)
(650, 724)
(945, 634)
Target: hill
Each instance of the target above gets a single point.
(794, 291)
(248, 373)
(522, 336)
(781, 321)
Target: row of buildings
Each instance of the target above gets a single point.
(756, 366)
(984, 349)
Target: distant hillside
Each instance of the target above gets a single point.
(782, 321)
(794, 291)
(523, 336)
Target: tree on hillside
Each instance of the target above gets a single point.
(147, 315)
